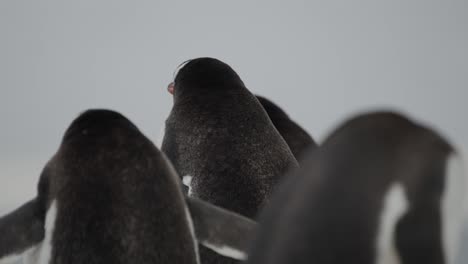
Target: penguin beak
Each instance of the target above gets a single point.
(170, 88)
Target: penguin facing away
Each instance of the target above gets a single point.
(220, 135)
(221, 140)
(109, 196)
(297, 138)
(380, 190)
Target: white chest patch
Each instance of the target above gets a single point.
(395, 205)
(187, 181)
(192, 232)
(453, 207)
(40, 253)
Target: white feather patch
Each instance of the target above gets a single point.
(187, 181)
(226, 251)
(395, 205)
(17, 258)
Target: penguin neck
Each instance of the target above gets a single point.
(206, 93)
(207, 98)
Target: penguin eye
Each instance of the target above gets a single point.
(170, 88)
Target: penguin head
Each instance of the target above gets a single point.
(203, 75)
(95, 150)
(97, 124)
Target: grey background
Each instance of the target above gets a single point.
(321, 60)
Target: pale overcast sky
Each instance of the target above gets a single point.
(321, 60)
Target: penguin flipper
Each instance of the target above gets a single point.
(20, 230)
(223, 231)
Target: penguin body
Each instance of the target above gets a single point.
(297, 138)
(380, 190)
(116, 195)
(102, 190)
(219, 135)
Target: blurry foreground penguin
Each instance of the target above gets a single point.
(109, 196)
(220, 138)
(297, 138)
(380, 190)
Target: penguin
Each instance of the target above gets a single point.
(109, 196)
(297, 138)
(221, 140)
(381, 189)
(218, 134)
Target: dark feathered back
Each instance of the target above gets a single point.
(117, 199)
